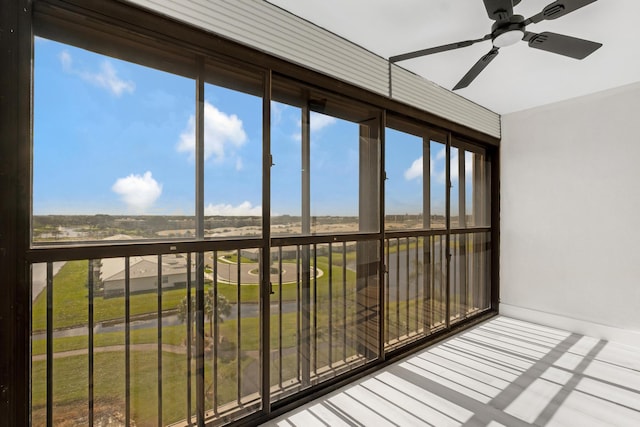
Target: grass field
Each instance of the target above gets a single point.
(70, 391)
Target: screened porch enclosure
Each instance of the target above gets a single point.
(212, 239)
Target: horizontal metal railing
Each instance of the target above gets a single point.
(123, 336)
(424, 274)
(136, 317)
(313, 314)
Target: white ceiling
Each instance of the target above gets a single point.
(519, 77)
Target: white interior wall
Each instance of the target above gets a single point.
(570, 214)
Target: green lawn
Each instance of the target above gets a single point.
(173, 335)
(70, 301)
(71, 379)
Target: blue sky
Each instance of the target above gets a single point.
(117, 138)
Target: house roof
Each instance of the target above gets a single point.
(142, 266)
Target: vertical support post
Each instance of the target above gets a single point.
(379, 167)
(407, 284)
(480, 217)
(479, 191)
(200, 372)
(368, 252)
(188, 322)
(387, 313)
(16, 54)
(432, 279)
(427, 265)
(495, 228)
(239, 326)
(344, 301)
(398, 288)
(90, 289)
(330, 322)
(127, 339)
(306, 169)
(280, 289)
(265, 271)
(426, 183)
(462, 238)
(159, 316)
(448, 235)
(299, 313)
(315, 309)
(199, 270)
(49, 344)
(417, 287)
(216, 332)
(199, 154)
(305, 338)
(462, 215)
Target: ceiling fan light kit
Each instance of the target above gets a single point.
(508, 29)
(507, 33)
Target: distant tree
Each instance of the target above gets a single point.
(183, 310)
(223, 308)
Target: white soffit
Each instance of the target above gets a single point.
(263, 26)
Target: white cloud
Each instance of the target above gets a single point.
(107, 78)
(415, 170)
(65, 60)
(243, 209)
(139, 192)
(317, 122)
(320, 121)
(239, 164)
(276, 113)
(468, 162)
(221, 130)
(438, 167)
(439, 175)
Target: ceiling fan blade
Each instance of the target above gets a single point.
(477, 69)
(557, 9)
(437, 49)
(562, 45)
(499, 10)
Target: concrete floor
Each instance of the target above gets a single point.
(504, 372)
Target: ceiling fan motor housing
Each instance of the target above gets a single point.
(507, 33)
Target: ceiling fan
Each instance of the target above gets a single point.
(509, 28)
